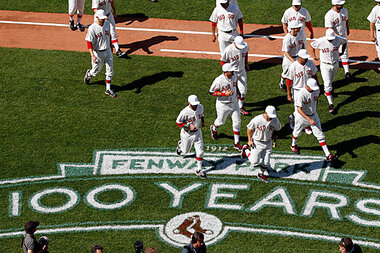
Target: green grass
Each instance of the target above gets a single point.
(49, 116)
(258, 11)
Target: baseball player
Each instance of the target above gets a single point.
(374, 21)
(329, 55)
(237, 54)
(226, 17)
(306, 101)
(296, 12)
(98, 43)
(337, 19)
(190, 120)
(292, 43)
(298, 74)
(260, 130)
(76, 6)
(224, 88)
(109, 7)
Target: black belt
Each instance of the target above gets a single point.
(102, 50)
(108, 14)
(330, 63)
(230, 31)
(309, 115)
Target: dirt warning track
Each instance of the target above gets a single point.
(142, 35)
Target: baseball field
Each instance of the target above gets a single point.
(100, 170)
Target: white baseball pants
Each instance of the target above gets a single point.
(301, 123)
(328, 72)
(377, 35)
(242, 83)
(285, 65)
(104, 57)
(76, 5)
(344, 56)
(190, 139)
(225, 39)
(223, 110)
(112, 26)
(261, 151)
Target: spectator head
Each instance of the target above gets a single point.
(197, 239)
(97, 249)
(31, 226)
(150, 250)
(345, 245)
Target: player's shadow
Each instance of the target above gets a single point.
(146, 44)
(148, 80)
(355, 79)
(267, 31)
(231, 137)
(348, 119)
(130, 18)
(261, 105)
(349, 146)
(265, 64)
(364, 66)
(362, 91)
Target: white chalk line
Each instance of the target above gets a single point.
(167, 31)
(251, 55)
(275, 232)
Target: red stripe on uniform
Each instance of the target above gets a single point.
(213, 23)
(180, 125)
(242, 99)
(222, 62)
(89, 45)
(288, 82)
(344, 63)
(323, 143)
(114, 41)
(328, 93)
(236, 133)
(108, 81)
(295, 138)
(199, 159)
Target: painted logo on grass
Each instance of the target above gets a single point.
(111, 183)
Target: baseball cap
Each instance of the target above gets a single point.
(239, 42)
(30, 226)
(312, 83)
(377, 1)
(295, 24)
(296, 2)
(271, 111)
(303, 54)
(193, 100)
(101, 14)
(223, 1)
(337, 2)
(330, 34)
(227, 67)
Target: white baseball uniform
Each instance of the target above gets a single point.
(299, 74)
(76, 6)
(99, 37)
(237, 58)
(194, 137)
(227, 22)
(302, 16)
(308, 102)
(291, 44)
(337, 21)
(106, 5)
(226, 105)
(329, 58)
(374, 17)
(262, 138)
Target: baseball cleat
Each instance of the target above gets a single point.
(238, 147)
(291, 121)
(331, 109)
(331, 157)
(111, 93)
(348, 76)
(308, 130)
(120, 53)
(295, 149)
(201, 174)
(244, 112)
(243, 149)
(80, 27)
(87, 77)
(178, 150)
(282, 85)
(72, 26)
(214, 134)
(262, 177)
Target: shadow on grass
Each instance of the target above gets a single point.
(147, 80)
(355, 79)
(360, 92)
(348, 119)
(130, 18)
(268, 31)
(146, 44)
(261, 105)
(265, 64)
